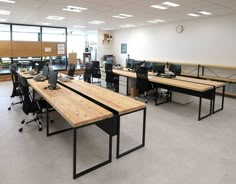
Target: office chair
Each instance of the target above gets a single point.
(30, 105)
(142, 83)
(96, 73)
(176, 69)
(111, 79)
(88, 72)
(16, 85)
(71, 71)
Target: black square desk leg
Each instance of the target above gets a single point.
(214, 100)
(74, 152)
(118, 154)
(222, 101)
(47, 106)
(75, 174)
(200, 109)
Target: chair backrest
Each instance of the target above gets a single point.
(176, 69)
(88, 72)
(71, 71)
(96, 73)
(142, 83)
(159, 68)
(14, 78)
(109, 72)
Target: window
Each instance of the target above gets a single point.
(53, 34)
(25, 33)
(5, 32)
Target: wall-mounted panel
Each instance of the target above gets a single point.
(26, 49)
(5, 48)
(51, 49)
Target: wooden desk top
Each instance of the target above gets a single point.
(25, 74)
(76, 109)
(120, 103)
(181, 84)
(185, 82)
(125, 72)
(202, 81)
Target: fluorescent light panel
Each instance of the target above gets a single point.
(159, 20)
(127, 25)
(4, 12)
(205, 13)
(119, 17)
(74, 9)
(193, 15)
(107, 29)
(55, 18)
(3, 20)
(152, 21)
(76, 26)
(96, 22)
(7, 1)
(126, 15)
(171, 4)
(159, 7)
(44, 23)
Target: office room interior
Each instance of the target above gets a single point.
(91, 129)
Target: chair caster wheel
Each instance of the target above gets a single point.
(51, 121)
(145, 101)
(40, 129)
(23, 121)
(21, 129)
(9, 108)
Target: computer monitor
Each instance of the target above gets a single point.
(129, 63)
(45, 71)
(176, 69)
(52, 81)
(136, 64)
(159, 68)
(148, 65)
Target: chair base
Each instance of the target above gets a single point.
(36, 119)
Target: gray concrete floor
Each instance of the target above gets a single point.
(179, 149)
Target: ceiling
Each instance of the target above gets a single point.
(36, 11)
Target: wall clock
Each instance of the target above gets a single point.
(179, 29)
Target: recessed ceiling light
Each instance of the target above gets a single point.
(193, 15)
(171, 4)
(44, 23)
(107, 29)
(205, 13)
(152, 21)
(7, 1)
(55, 18)
(127, 25)
(96, 22)
(159, 20)
(3, 20)
(4, 12)
(79, 26)
(74, 8)
(159, 7)
(126, 15)
(119, 17)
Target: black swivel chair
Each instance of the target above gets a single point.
(176, 69)
(16, 85)
(88, 72)
(71, 71)
(96, 73)
(111, 79)
(142, 83)
(30, 105)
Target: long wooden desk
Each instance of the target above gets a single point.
(78, 112)
(195, 87)
(119, 104)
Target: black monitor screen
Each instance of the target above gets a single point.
(52, 81)
(159, 69)
(176, 69)
(45, 71)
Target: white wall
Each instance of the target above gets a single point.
(208, 41)
(104, 48)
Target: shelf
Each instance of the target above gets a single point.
(218, 78)
(220, 67)
(188, 74)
